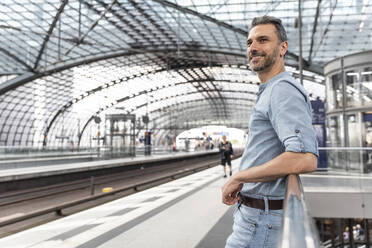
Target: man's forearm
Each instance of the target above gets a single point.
(284, 164)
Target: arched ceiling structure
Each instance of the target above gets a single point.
(182, 61)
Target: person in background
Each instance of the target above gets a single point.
(369, 144)
(226, 151)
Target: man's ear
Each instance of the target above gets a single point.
(283, 48)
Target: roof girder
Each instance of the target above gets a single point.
(50, 31)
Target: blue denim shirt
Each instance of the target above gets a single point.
(280, 121)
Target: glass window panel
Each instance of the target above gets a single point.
(334, 91)
(353, 94)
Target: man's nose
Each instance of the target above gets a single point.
(253, 51)
(253, 45)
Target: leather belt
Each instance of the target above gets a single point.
(260, 203)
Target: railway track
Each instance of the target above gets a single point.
(77, 195)
(90, 183)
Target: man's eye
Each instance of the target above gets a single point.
(263, 40)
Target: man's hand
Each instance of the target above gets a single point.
(230, 191)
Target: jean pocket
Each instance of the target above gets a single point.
(243, 227)
(247, 217)
(242, 234)
(272, 237)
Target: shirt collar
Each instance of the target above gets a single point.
(263, 86)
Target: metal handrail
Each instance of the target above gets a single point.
(298, 227)
(342, 148)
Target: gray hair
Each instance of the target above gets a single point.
(280, 31)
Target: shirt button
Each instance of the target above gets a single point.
(270, 226)
(297, 131)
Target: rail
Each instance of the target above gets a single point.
(298, 227)
(136, 187)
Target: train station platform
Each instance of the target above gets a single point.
(187, 212)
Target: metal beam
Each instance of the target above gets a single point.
(28, 77)
(300, 60)
(50, 31)
(332, 9)
(7, 73)
(82, 37)
(196, 92)
(46, 132)
(9, 54)
(84, 127)
(297, 58)
(314, 30)
(218, 6)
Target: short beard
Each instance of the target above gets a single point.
(268, 62)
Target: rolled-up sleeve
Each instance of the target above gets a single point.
(290, 115)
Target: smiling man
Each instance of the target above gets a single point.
(281, 141)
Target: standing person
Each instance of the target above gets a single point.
(281, 141)
(226, 151)
(369, 144)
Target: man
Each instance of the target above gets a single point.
(226, 151)
(281, 141)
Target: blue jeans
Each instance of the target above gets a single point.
(255, 228)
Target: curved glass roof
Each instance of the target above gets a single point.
(181, 62)
(331, 28)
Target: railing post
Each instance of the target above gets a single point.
(366, 233)
(342, 232)
(333, 235)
